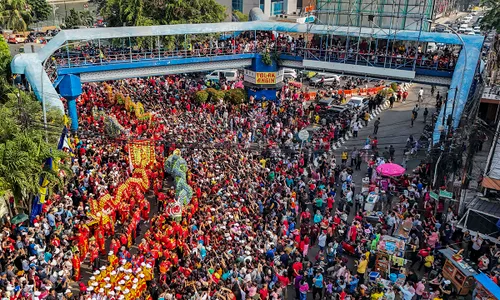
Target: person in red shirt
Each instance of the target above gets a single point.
(305, 216)
(264, 293)
(297, 266)
(329, 203)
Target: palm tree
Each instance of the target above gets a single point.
(14, 14)
(86, 18)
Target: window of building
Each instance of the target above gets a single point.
(237, 5)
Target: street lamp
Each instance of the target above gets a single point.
(463, 71)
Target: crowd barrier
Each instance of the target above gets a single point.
(350, 93)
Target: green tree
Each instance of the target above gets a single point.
(75, 19)
(201, 96)
(72, 20)
(236, 96)
(5, 58)
(240, 16)
(40, 10)
(491, 19)
(162, 12)
(14, 14)
(23, 145)
(86, 18)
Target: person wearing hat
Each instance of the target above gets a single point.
(112, 259)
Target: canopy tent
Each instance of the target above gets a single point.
(481, 219)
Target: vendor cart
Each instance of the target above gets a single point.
(458, 271)
(370, 201)
(403, 231)
(486, 289)
(390, 253)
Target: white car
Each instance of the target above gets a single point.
(289, 73)
(326, 79)
(358, 102)
(230, 75)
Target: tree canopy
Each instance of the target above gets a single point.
(162, 12)
(240, 16)
(75, 19)
(40, 9)
(491, 19)
(25, 144)
(13, 14)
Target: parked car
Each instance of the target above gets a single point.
(359, 103)
(230, 75)
(332, 113)
(16, 39)
(326, 103)
(325, 79)
(289, 73)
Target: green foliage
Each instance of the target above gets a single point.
(236, 96)
(13, 15)
(40, 9)
(394, 86)
(201, 96)
(276, 57)
(266, 58)
(491, 19)
(25, 143)
(75, 19)
(23, 148)
(162, 12)
(240, 16)
(214, 95)
(5, 58)
(386, 92)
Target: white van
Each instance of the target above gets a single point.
(230, 75)
(289, 73)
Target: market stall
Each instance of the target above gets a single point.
(486, 289)
(403, 230)
(370, 201)
(458, 271)
(390, 254)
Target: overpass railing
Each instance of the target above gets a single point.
(393, 61)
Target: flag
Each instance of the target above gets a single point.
(64, 141)
(39, 200)
(36, 208)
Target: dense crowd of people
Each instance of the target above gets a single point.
(336, 49)
(268, 219)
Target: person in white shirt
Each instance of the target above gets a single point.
(421, 95)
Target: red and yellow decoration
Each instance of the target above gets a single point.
(142, 153)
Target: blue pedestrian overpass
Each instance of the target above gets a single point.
(68, 77)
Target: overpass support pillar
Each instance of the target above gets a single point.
(263, 79)
(70, 88)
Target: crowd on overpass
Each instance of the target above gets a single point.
(391, 54)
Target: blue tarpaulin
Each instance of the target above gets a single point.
(488, 284)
